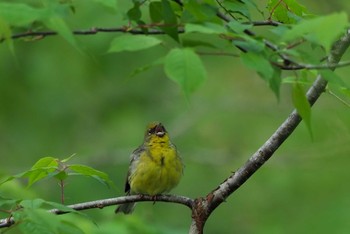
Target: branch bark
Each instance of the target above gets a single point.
(112, 202)
(204, 206)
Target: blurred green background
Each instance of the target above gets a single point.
(57, 101)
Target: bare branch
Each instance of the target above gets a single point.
(114, 201)
(264, 23)
(91, 31)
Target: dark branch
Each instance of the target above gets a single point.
(114, 201)
(91, 31)
(301, 66)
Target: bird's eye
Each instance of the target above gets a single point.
(151, 131)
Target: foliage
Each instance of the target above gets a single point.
(183, 31)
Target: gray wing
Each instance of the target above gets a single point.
(134, 157)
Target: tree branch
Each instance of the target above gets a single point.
(92, 31)
(301, 66)
(205, 205)
(112, 202)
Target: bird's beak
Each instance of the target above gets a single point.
(160, 134)
(160, 130)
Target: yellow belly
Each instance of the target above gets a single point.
(156, 171)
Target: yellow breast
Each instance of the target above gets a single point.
(157, 170)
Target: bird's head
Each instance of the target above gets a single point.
(156, 132)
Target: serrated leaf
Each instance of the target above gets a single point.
(91, 172)
(170, 21)
(302, 105)
(185, 68)
(133, 43)
(332, 27)
(207, 28)
(18, 14)
(156, 11)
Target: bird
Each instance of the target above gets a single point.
(155, 166)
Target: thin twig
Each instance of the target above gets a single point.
(273, 9)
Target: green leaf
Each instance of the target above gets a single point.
(185, 68)
(38, 221)
(133, 43)
(199, 12)
(42, 168)
(198, 42)
(238, 27)
(156, 11)
(67, 159)
(91, 172)
(7, 202)
(170, 21)
(109, 4)
(263, 67)
(275, 82)
(249, 44)
(18, 14)
(34, 204)
(333, 78)
(302, 105)
(324, 30)
(237, 6)
(5, 33)
(40, 203)
(146, 67)
(286, 11)
(291, 80)
(58, 25)
(134, 14)
(207, 28)
(258, 63)
(61, 175)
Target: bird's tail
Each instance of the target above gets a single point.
(126, 208)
